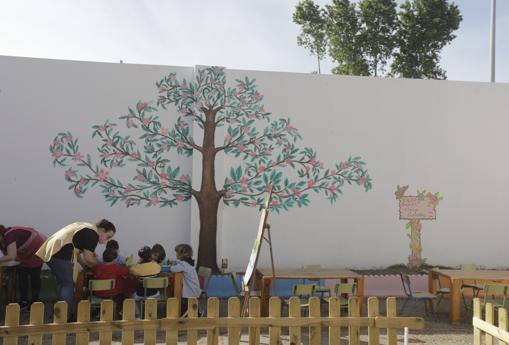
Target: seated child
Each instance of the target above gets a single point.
(114, 245)
(185, 264)
(109, 269)
(145, 268)
(159, 254)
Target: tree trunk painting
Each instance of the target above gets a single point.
(266, 150)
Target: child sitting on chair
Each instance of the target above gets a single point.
(185, 264)
(159, 254)
(109, 269)
(145, 268)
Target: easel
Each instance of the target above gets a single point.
(263, 228)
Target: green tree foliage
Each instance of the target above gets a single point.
(424, 28)
(365, 37)
(313, 36)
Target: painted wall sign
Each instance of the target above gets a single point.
(416, 207)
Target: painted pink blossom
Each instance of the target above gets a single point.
(235, 93)
(163, 176)
(183, 85)
(109, 142)
(256, 96)
(273, 164)
(312, 161)
(244, 180)
(180, 197)
(165, 131)
(142, 106)
(332, 188)
(297, 194)
(228, 139)
(154, 200)
(77, 190)
(333, 172)
(129, 202)
(83, 181)
(180, 144)
(103, 128)
(146, 121)
(344, 165)
(107, 154)
(274, 203)
(133, 155)
(162, 88)
(130, 122)
(362, 180)
(262, 109)
(233, 120)
(57, 154)
(183, 95)
(68, 138)
(77, 157)
(288, 128)
(311, 183)
(140, 177)
(182, 124)
(163, 183)
(261, 168)
(184, 178)
(254, 204)
(244, 129)
(183, 110)
(243, 101)
(268, 187)
(69, 173)
(308, 167)
(240, 148)
(252, 154)
(152, 163)
(198, 105)
(57, 142)
(128, 189)
(242, 87)
(288, 161)
(102, 175)
(229, 194)
(119, 154)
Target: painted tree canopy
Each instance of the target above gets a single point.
(266, 149)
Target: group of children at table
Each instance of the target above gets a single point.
(151, 263)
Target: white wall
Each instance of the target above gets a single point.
(441, 136)
(40, 98)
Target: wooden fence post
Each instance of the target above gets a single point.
(334, 311)
(106, 315)
(354, 331)
(373, 332)
(172, 312)
(490, 315)
(294, 312)
(392, 333)
(477, 314)
(192, 312)
(502, 321)
(150, 335)
(128, 314)
(275, 312)
(234, 312)
(82, 338)
(60, 317)
(36, 318)
(11, 319)
(254, 311)
(315, 332)
(213, 312)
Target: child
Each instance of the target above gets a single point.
(146, 267)
(159, 254)
(112, 244)
(185, 264)
(109, 269)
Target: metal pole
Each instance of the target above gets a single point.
(492, 40)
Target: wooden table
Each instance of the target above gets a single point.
(10, 268)
(457, 278)
(264, 280)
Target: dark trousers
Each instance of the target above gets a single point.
(184, 302)
(33, 275)
(62, 269)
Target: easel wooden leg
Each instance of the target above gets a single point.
(266, 283)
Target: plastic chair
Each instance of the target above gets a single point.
(440, 291)
(495, 294)
(342, 289)
(319, 288)
(304, 292)
(95, 285)
(159, 283)
(426, 297)
(476, 288)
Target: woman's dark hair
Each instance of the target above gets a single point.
(106, 225)
(110, 255)
(145, 254)
(159, 250)
(3, 229)
(184, 250)
(112, 244)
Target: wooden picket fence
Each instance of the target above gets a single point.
(487, 326)
(212, 323)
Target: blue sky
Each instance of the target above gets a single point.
(241, 34)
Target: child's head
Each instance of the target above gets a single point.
(184, 251)
(158, 253)
(112, 244)
(109, 255)
(145, 254)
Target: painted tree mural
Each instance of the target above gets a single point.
(266, 150)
